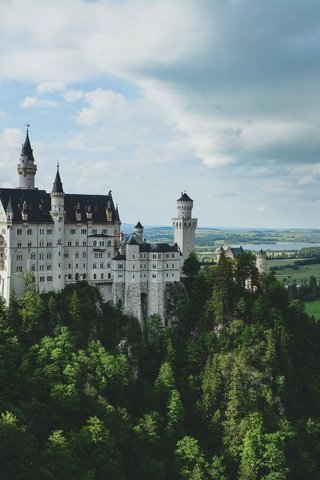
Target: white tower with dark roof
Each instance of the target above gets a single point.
(184, 226)
(57, 213)
(26, 167)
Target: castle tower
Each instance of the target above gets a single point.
(57, 213)
(26, 167)
(138, 230)
(184, 226)
(261, 261)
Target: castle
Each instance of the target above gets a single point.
(58, 239)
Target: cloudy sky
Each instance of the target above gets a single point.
(149, 98)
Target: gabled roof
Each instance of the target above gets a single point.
(134, 239)
(236, 250)
(94, 204)
(158, 247)
(39, 204)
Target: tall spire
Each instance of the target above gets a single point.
(57, 184)
(26, 147)
(26, 167)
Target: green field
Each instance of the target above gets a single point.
(313, 309)
(298, 276)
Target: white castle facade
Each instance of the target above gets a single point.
(58, 239)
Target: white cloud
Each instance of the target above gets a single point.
(30, 102)
(72, 95)
(50, 87)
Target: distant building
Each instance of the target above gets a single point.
(63, 238)
(234, 252)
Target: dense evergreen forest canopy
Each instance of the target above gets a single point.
(231, 392)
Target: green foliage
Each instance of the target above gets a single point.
(191, 265)
(191, 462)
(165, 381)
(231, 393)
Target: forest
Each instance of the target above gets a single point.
(232, 391)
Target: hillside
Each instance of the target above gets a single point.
(213, 237)
(230, 393)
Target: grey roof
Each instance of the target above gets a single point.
(57, 184)
(184, 198)
(39, 205)
(95, 204)
(119, 257)
(158, 247)
(138, 225)
(26, 148)
(134, 239)
(236, 251)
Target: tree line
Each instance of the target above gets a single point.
(231, 392)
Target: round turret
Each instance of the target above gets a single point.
(261, 261)
(184, 205)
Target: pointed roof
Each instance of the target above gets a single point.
(9, 206)
(57, 184)
(26, 148)
(138, 225)
(184, 198)
(117, 216)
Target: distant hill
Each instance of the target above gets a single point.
(211, 236)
